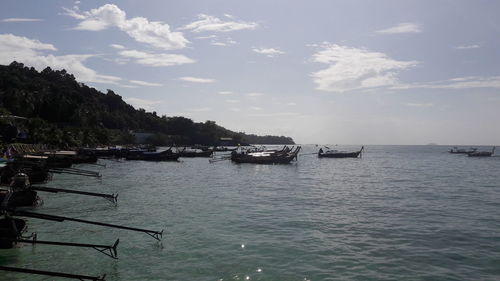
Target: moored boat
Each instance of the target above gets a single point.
(481, 153)
(333, 153)
(456, 150)
(196, 153)
(19, 194)
(284, 156)
(10, 230)
(167, 155)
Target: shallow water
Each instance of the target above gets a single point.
(399, 213)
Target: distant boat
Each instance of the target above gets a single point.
(456, 150)
(481, 153)
(333, 153)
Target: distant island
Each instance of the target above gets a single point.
(51, 107)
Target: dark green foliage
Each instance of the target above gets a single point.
(63, 112)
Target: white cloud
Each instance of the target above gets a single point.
(20, 20)
(144, 83)
(406, 27)
(31, 53)
(225, 93)
(255, 94)
(218, 44)
(467, 47)
(352, 68)
(235, 109)
(420, 104)
(18, 44)
(142, 103)
(127, 86)
(270, 52)
(228, 42)
(291, 104)
(470, 82)
(256, 108)
(206, 37)
(232, 101)
(156, 59)
(154, 33)
(117, 46)
(210, 23)
(196, 79)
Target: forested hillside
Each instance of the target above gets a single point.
(61, 111)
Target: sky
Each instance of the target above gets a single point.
(329, 72)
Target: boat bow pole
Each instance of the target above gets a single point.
(155, 234)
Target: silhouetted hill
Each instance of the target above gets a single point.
(64, 112)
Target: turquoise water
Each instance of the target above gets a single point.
(399, 213)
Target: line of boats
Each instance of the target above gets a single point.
(20, 196)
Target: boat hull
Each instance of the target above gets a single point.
(190, 154)
(10, 229)
(154, 156)
(340, 155)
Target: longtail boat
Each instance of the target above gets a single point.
(37, 171)
(339, 154)
(481, 153)
(456, 150)
(284, 156)
(196, 153)
(167, 155)
(10, 229)
(18, 194)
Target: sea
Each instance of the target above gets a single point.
(397, 213)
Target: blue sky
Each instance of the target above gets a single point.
(346, 72)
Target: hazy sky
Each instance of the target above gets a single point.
(346, 72)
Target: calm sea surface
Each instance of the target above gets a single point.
(399, 213)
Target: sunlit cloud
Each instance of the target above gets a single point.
(352, 68)
(255, 108)
(117, 46)
(232, 101)
(218, 44)
(206, 23)
(33, 53)
(467, 47)
(225, 93)
(154, 33)
(152, 59)
(20, 20)
(406, 27)
(196, 79)
(144, 83)
(291, 104)
(228, 42)
(470, 82)
(255, 94)
(269, 52)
